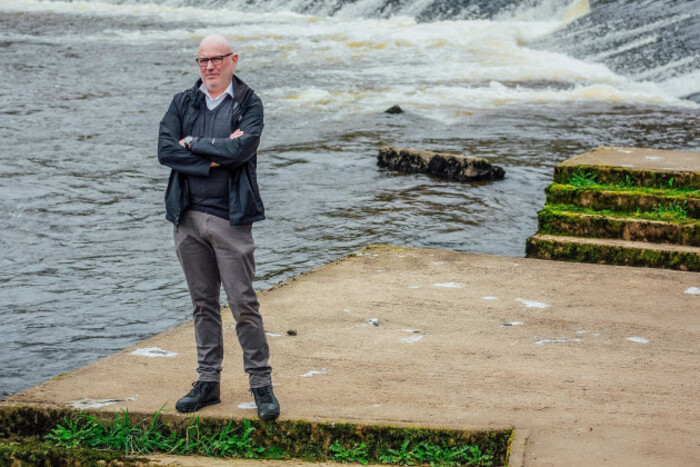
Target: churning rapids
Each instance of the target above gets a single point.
(86, 260)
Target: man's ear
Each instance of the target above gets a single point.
(234, 59)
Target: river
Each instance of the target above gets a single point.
(87, 265)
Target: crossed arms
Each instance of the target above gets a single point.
(232, 152)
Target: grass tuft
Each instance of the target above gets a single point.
(581, 178)
(145, 438)
(672, 211)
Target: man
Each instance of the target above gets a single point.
(209, 137)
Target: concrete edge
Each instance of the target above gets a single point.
(517, 447)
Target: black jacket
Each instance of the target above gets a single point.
(238, 155)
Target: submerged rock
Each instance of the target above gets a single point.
(444, 165)
(394, 109)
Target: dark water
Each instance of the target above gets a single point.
(86, 259)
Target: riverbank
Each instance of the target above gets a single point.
(589, 363)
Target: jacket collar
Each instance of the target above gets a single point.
(240, 91)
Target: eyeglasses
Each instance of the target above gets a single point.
(216, 61)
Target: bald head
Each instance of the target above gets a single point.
(216, 77)
(215, 41)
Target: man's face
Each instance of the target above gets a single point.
(216, 78)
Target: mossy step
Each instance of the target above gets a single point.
(555, 222)
(614, 252)
(651, 168)
(599, 198)
(291, 439)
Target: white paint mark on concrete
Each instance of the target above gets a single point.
(373, 322)
(623, 150)
(489, 298)
(653, 158)
(248, 406)
(438, 263)
(413, 287)
(153, 352)
(627, 166)
(639, 340)
(556, 341)
(376, 405)
(347, 310)
(84, 404)
(531, 304)
(581, 332)
(311, 373)
(272, 334)
(512, 323)
(692, 291)
(450, 285)
(412, 339)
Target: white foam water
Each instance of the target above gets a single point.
(388, 60)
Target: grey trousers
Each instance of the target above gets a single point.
(213, 253)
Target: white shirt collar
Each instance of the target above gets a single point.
(213, 103)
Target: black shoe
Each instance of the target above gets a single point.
(203, 393)
(268, 407)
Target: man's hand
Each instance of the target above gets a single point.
(214, 164)
(182, 142)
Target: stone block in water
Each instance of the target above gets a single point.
(443, 165)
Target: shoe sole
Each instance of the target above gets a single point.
(198, 407)
(270, 417)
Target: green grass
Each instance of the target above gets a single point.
(581, 178)
(237, 440)
(671, 212)
(147, 437)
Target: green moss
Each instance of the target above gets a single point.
(621, 200)
(555, 221)
(612, 175)
(665, 215)
(611, 254)
(662, 193)
(34, 453)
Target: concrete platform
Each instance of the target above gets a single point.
(657, 160)
(593, 365)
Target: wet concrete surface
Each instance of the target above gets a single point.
(600, 369)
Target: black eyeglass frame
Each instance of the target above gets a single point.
(216, 60)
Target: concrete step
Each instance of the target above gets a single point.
(554, 222)
(615, 252)
(651, 168)
(621, 199)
